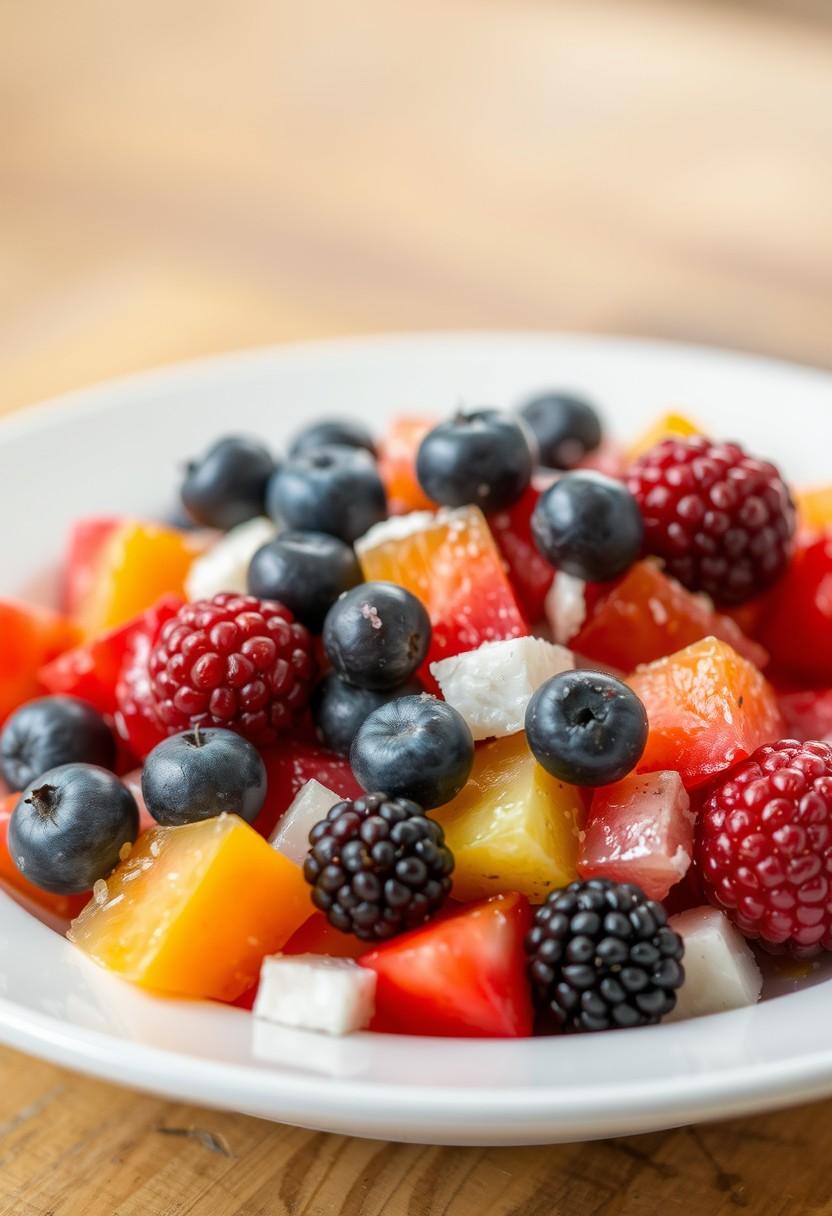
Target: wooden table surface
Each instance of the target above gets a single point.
(184, 177)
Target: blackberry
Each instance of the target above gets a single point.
(378, 866)
(602, 957)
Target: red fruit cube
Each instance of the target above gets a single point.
(87, 541)
(463, 975)
(797, 630)
(29, 638)
(647, 615)
(708, 707)
(530, 574)
(290, 763)
(808, 714)
(318, 936)
(639, 830)
(450, 561)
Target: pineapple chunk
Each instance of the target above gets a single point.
(513, 827)
(194, 910)
(668, 426)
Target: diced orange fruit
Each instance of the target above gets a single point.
(668, 426)
(397, 464)
(814, 508)
(513, 827)
(194, 910)
(449, 559)
(29, 638)
(87, 540)
(137, 565)
(708, 707)
(647, 615)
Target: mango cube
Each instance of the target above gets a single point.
(513, 827)
(668, 426)
(194, 910)
(138, 565)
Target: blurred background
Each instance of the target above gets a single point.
(178, 177)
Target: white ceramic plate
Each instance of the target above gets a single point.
(117, 448)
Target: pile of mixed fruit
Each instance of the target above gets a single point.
(482, 728)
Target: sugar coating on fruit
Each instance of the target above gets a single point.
(720, 970)
(311, 804)
(492, 686)
(639, 830)
(314, 992)
(224, 567)
(394, 529)
(566, 607)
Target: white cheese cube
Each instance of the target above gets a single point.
(720, 970)
(566, 607)
(310, 806)
(224, 567)
(492, 686)
(313, 992)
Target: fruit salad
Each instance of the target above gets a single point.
(479, 727)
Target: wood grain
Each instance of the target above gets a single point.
(180, 178)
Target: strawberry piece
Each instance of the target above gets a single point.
(647, 615)
(807, 713)
(318, 936)
(463, 975)
(64, 906)
(708, 707)
(639, 830)
(797, 630)
(84, 554)
(397, 464)
(289, 765)
(29, 638)
(530, 574)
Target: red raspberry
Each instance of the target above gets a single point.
(764, 846)
(232, 661)
(722, 521)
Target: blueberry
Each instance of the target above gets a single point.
(51, 731)
(227, 486)
(340, 708)
(586, 727)
(70, 826)
(566, 428)
(376, 635)
(334, 489)
(481, 457)
(588, 525)
(414, 747)
(306, 571)
(343, 431)
(201, 774)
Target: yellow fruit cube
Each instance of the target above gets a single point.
(194, 910)
(814, 508)
(513, 827)
(668, 426)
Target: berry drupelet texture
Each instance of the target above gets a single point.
(602, 957)
(764, 846)
(233, 661)
(722, 521)
(378, 866)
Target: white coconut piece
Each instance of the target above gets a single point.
(311, 804)
(315, 992)
(492, 685)
(224, 567)
(720, 970)
(565, 607)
